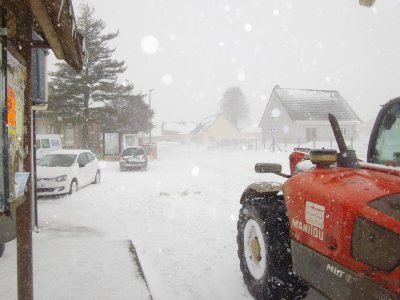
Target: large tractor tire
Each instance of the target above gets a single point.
(264, 250)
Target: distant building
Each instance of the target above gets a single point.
(300, 115)
(215, 128)
(176, 132)
(71, 134)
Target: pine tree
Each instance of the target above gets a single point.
(94, 94)
(234, 106)
(132, 115)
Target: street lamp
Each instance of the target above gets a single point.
(151, 90)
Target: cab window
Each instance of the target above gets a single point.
(387, 149)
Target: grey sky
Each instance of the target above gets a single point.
(206, 46)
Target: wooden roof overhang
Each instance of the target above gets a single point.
(54, 21)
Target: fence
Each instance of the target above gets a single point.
(244, 144)
(313, 144)
(360, 145)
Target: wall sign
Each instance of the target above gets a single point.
(16, 73)
(315, 214)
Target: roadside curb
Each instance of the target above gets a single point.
(136, 260)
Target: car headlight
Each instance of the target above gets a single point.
(375, 245)
(61, 178)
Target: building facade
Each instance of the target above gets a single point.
(300, 116)
(71, 134)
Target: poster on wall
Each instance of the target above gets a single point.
(20, 180)
(11, 110)
(16, 73)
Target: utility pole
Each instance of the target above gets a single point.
(151, 90)
(24, 211)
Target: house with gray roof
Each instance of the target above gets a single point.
(300, 116)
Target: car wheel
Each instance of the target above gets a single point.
(2, 247)
(97, 177)
(74, 187)
(264, 250)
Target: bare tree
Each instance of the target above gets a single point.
(234, 105)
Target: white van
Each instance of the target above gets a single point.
(46, 143)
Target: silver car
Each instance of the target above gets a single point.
(133, 158)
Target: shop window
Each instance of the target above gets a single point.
(69, 134)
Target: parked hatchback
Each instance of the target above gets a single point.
(133, 158)
(65, 171)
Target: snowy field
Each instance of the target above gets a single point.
(181, 215)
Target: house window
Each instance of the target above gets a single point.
(311, 134)
(69, 134)
(91, 134)
(344, 131)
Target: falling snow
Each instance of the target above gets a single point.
(149, 44)
(167, 79)
(248, 27)
(241, 76)
(180, 214)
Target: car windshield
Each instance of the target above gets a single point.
(57, 160)
(132, 151)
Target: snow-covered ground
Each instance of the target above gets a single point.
(181, 215)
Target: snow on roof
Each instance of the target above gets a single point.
(178, 127)
(205, 124)
(306, 105)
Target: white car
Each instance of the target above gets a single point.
(65, 171)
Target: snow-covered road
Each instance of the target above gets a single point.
(181, 215)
